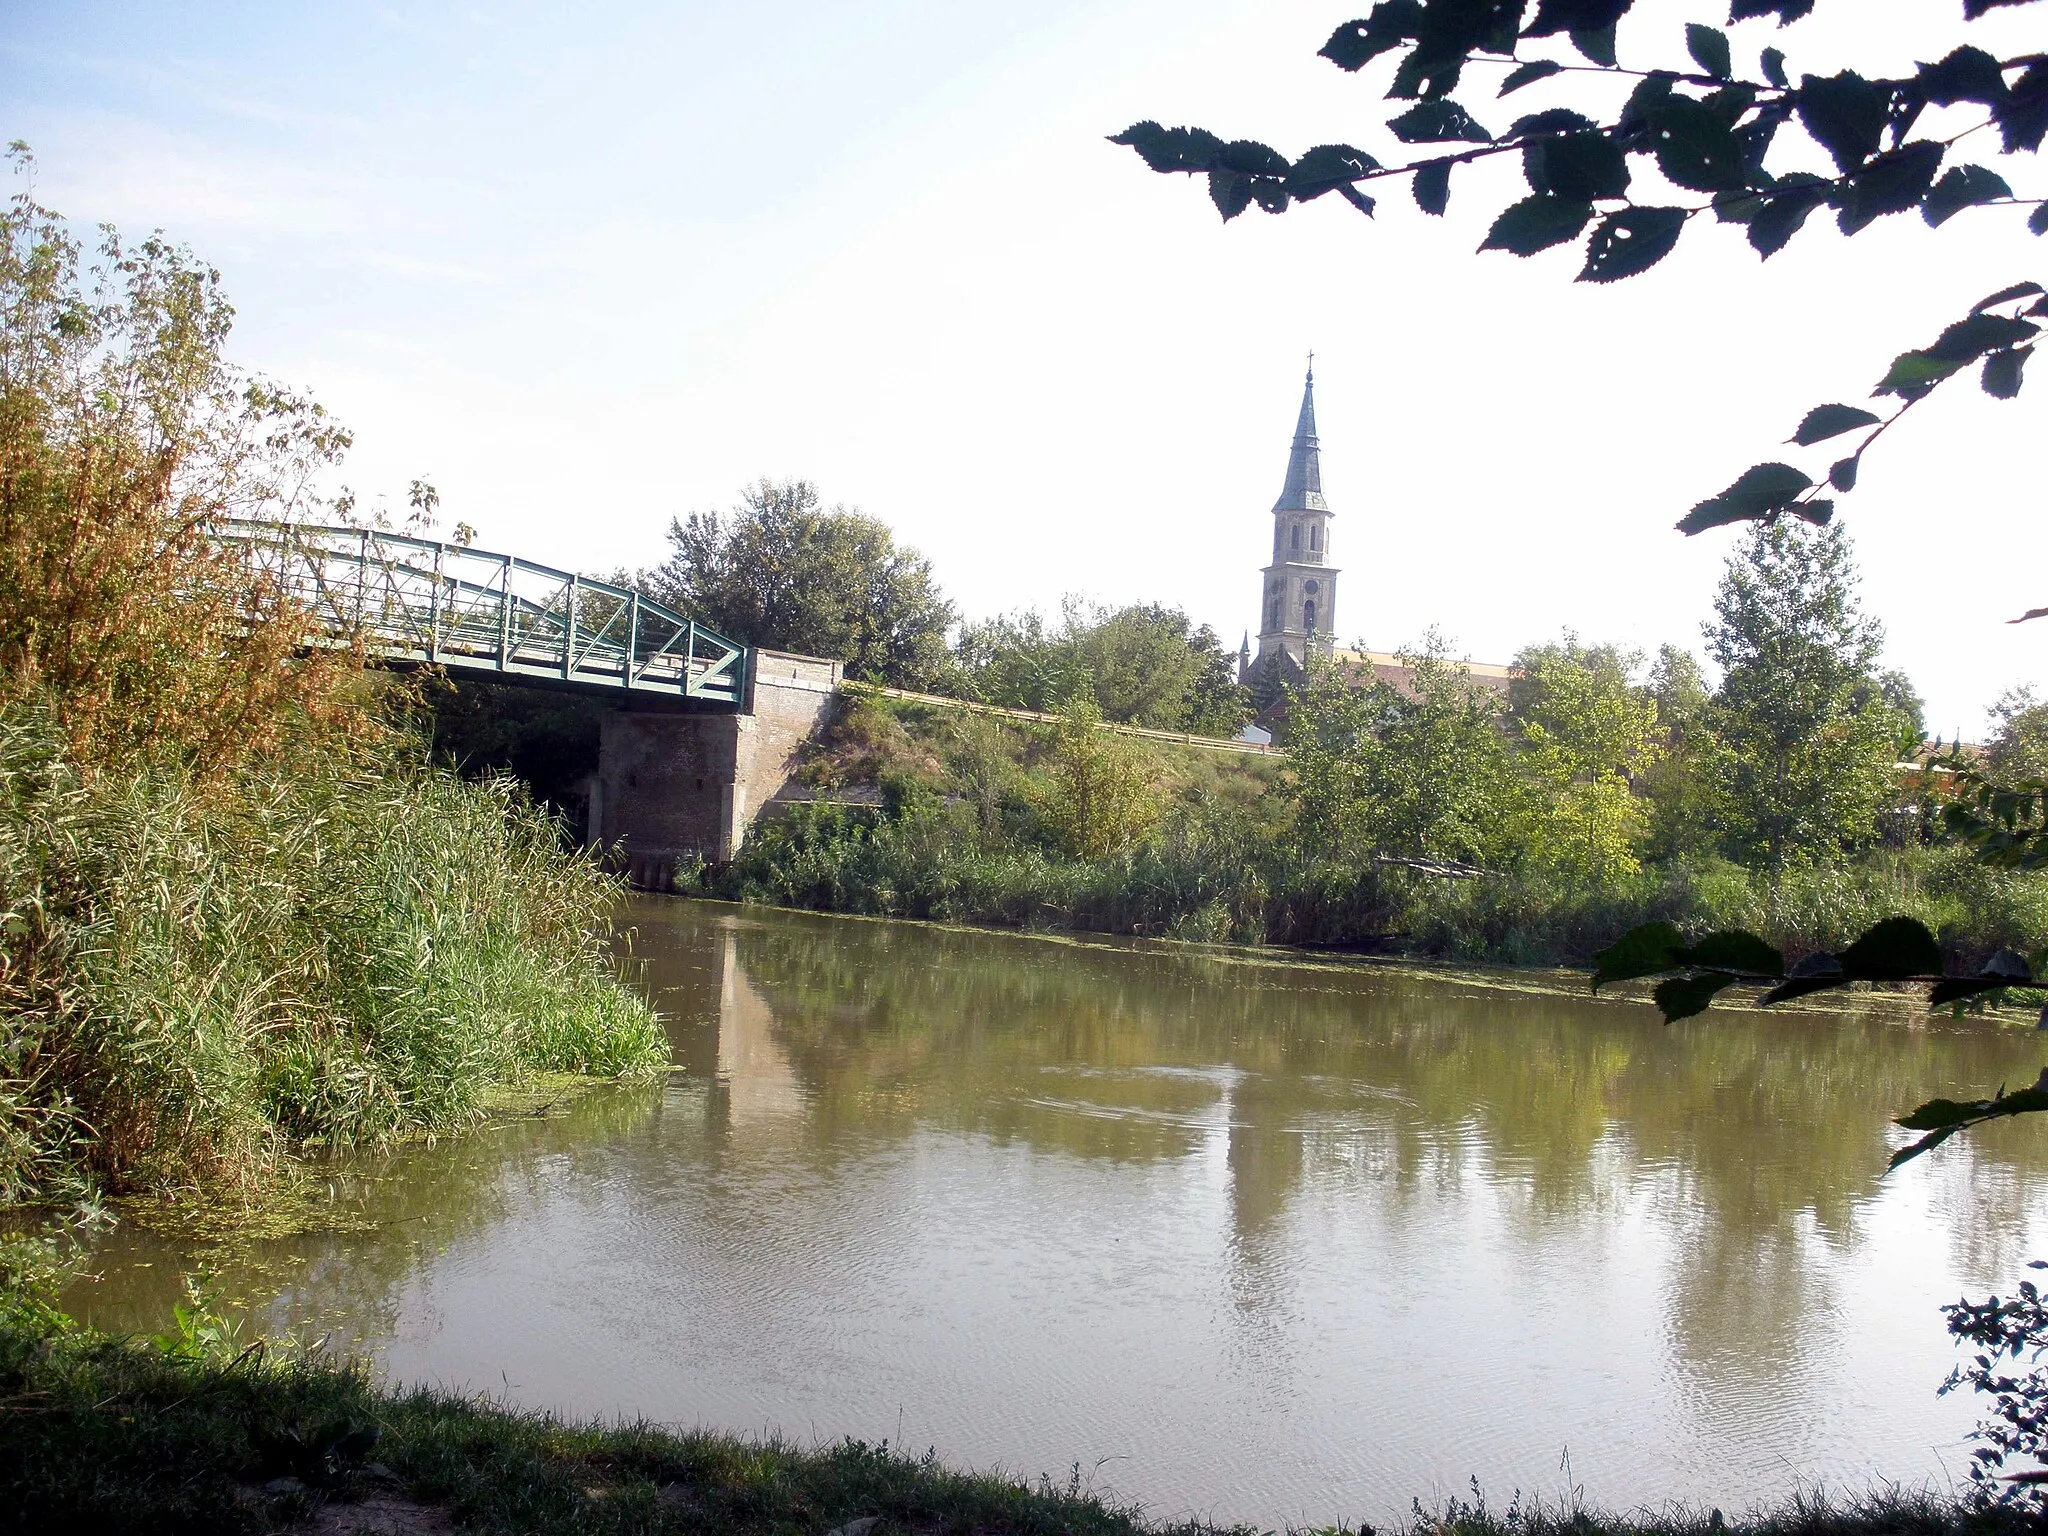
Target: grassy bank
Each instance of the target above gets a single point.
(193, 1432)
(933, 814)
(199, 976)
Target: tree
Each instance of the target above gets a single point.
(1100, 797)
(782, 571)
(1421, 774)
(1142, 665)
(2018, 749)
(1677, 787)
(1586, 736)
(1804, 735)
(1711, 133)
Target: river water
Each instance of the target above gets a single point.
(1253, 1240)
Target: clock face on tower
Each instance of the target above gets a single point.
(1311, 588)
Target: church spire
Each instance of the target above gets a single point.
(1304, 489)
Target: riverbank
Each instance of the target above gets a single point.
(192, 1435)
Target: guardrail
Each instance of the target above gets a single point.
(433, 603)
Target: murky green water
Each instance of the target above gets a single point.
(1248, 1240)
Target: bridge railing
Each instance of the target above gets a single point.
(470, 610)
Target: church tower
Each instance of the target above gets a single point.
(1298, 594)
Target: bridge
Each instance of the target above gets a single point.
(705, 731)
(426, 602)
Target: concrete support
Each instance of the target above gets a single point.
(672, 786)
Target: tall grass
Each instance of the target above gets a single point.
(197, 975)
(1221, 878)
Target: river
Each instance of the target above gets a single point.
(1242, 1238)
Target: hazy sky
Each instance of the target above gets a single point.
(589, 267)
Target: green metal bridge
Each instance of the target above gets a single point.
(424, 602)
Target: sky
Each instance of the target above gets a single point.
(589, 268)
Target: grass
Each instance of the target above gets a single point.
(193, 1432)
(199, 978)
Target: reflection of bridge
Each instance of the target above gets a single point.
(705, 731)
(423, 602)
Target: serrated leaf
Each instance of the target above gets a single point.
(1967, 74)
(1842, 474)
(1171, 149)
(1597, 44)
(1761, 491)
(1815, 973)
(1914, 373)
(1433, 187)
(1438, 122)
(1357, 43)
(1819, 512)
(1955, 989)
(1251, 158)
(1581, 167)
(1709, 49)
(1642, 951)
(1555, 16)
(1787, 11)
(1785, 210)
(2037, 221)
(1773, 62)
(1737, 207)
(1736, 949)
(1965, 186)
(1529, 74)
(1631, 241)
(2006, 296)
(1325, 168)
(1846, 115)
(1892, 950)
(2004, 372)
(2022, 117)
(1826, 421)
(1231, 192)
(1891, 183)
(1695, 148)
(1537, 223)
(1683, 996)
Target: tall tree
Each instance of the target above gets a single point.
(1805, 737)
(1586, 735)
(783, 571)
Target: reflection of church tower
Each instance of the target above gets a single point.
(1299, 596)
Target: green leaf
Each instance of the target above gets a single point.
(2004, 372)
(1773, 62)
(1695, 148)
(1709, 49)
(1914, 373)
(1892, 950)
(1816, 973)
(1968, 74)
(1954, 989)
(1819, 512)
(1683, 996)
(1826, 421)
(1581, 167)
(1787, 208)
(1357, 43)
(1642, 951)
(1736, 950)
(1846, 115)
(1433, 187)
(1529, 74)
(1537, 223)
(1631, 241)
(1438, 122)
(1761, 491)
(1965, 186)
(1968, 340)
(1737, 207)
(1842, 474)
(1891, 183)
(2006, 296)
(1231, 192)
(1926, 1143)
(1171, 149)
(1325, 168)
(1596, 43)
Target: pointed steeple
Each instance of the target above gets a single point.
(1304, 489)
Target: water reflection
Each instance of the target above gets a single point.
(1292, 1242)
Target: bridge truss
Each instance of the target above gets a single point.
(424, 602)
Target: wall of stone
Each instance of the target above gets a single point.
(672, 785)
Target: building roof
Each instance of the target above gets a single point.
(1304, 489)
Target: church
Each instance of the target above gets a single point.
(1298, 590)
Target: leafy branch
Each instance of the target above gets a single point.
(1897, 950)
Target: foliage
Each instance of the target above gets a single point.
(1143, 665)
(1098, 798)
(125, 439)
(2017, 750)
(1423, 773)
(546, 740)
(1706, 129)
(336, 946)
(1804, 736)
(2003, 1330)
(1586, 736)
(782, 571)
